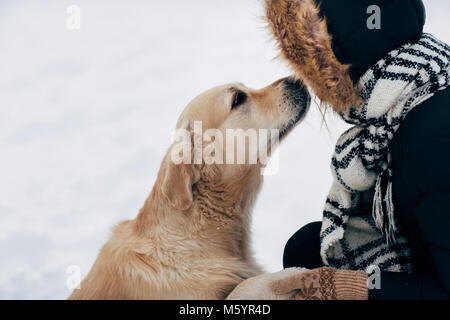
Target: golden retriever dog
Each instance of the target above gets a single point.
(190, 240)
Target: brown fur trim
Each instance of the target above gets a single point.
(305, 44)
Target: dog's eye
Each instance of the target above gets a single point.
(238, 99)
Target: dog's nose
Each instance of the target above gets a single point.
(293, 85)
(296, 91)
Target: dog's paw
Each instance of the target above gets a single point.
(261, 287)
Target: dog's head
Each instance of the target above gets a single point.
(230, 131)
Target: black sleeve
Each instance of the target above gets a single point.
(427, 168)
(433, 214)
(400, 286)
(422, 160)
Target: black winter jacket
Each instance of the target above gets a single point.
(421, 159)
(420, 149)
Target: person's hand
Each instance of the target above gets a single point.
(262, 286)
(303, 284)
(323, 284)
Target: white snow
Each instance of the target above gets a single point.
(86, 116)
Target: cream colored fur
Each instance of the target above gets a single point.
(190, 240)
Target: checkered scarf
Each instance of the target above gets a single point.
(358, 228)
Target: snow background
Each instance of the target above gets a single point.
(86, 117)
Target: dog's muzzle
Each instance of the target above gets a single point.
(297, 97)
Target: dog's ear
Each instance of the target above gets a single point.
(180, 177)
(177, 185)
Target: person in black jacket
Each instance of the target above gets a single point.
(361, 48)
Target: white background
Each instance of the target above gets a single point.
(86, 116)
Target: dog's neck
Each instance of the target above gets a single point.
(219, 206)
(219, 194)
(225, 205)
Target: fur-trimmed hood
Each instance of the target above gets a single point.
(328, 43)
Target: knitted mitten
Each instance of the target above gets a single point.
(325, 284)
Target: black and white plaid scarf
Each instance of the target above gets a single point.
(358, 228)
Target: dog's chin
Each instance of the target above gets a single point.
(288, 128)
